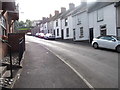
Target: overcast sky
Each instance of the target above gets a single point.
(36, 9)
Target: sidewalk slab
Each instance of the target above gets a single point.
(42, 69)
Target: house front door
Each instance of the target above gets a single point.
(91, 35)
(62, 34)
(74, 36)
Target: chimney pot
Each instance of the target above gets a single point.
(50, 16)
(71, 6)
(63, 9)
(56, 12)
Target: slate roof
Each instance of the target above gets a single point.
(97, 5)
(65, 14)
(79, 9)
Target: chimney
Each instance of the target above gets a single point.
(84, 2)
(56, 12)
(43, 18)
(63, 9)
(50, 16)
(71, 6)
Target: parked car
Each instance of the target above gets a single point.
(41, 35)
(49, 36)
(29, 33)
(109, 41)
(37, 34)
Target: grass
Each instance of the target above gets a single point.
(24, 29)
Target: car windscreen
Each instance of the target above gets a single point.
(118, 38)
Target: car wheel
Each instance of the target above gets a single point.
(95, 45)
(118, 49)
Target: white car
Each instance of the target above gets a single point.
(108, 41)
(37, 34)
(49, 36)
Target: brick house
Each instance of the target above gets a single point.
(8, 15)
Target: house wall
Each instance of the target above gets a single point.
(50, 27)
(109, 14)
(70, 26)
(83, 18)
(45, 28)
(57, 27)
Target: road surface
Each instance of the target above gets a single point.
(98, 67)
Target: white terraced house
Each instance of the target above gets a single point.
(80, 23)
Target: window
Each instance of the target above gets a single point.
(3, 26)
(67, 32)
(100, 16)
(56, 23)
(57, 32)
(103, 30)
(81, 32)
(106, 38)
(66, 22)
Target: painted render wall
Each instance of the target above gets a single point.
(50, 27)
(58, 27)
(109, 13)
(83, 17)
(70, 26)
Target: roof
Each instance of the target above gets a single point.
(54, 17)
(65, 14)
(97, 5)
(79, 9)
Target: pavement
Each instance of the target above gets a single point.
(42, 69)
(70, 41)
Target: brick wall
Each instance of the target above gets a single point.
(13, 39)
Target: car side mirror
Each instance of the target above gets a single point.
(113, 40)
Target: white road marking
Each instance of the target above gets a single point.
(87, 83)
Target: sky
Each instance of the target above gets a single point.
(36, 9)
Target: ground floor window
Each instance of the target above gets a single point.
(81, 32)
(57, 32)
(103, 30)
(67, 32)
(3, 26)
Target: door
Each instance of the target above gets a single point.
(91, 34)
(74, 36)
(62, 34)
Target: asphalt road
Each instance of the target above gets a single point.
(98, 67)
(43, 69)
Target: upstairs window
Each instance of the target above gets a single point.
(66, 22)
(56, 23)
(100, 15)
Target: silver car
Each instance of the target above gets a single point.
(109, 41)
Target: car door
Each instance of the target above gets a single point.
(101, 41)
(111, 43)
